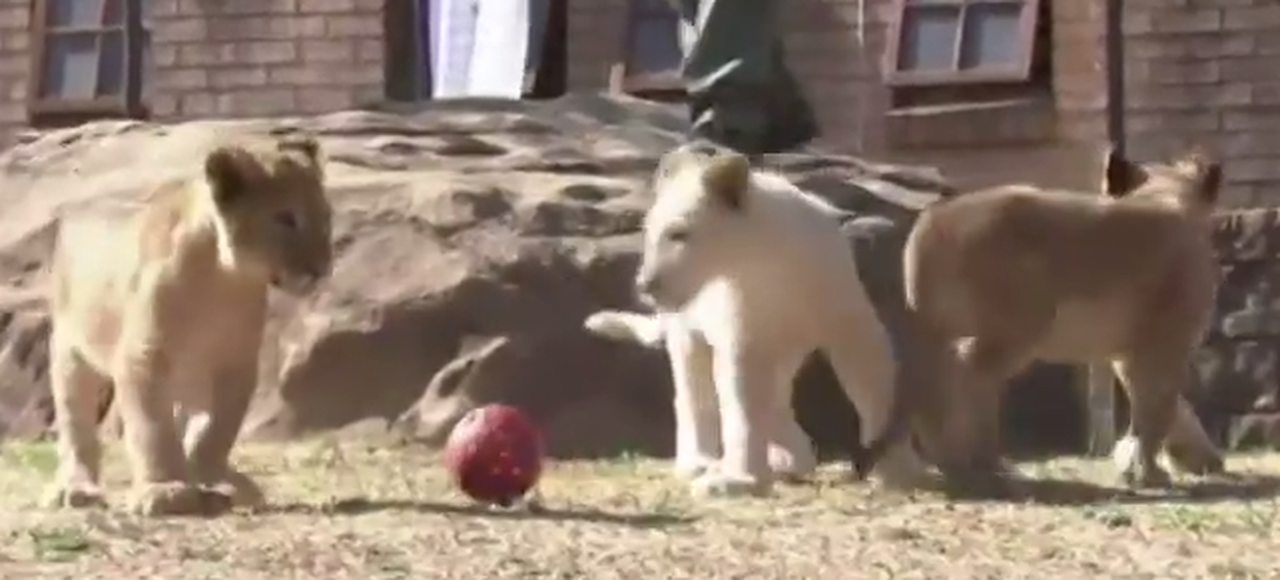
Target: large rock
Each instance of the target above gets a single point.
(472, 238)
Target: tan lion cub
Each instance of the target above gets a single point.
(167, 304)
(1005, 276)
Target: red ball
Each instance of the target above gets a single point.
(494, 454)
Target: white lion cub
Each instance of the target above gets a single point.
(750, 275)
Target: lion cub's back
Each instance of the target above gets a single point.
(95, 261)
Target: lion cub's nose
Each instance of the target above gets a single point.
(647, 284)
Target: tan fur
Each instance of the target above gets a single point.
(1002, 277)
(166, 304)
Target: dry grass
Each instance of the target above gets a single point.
(364, 512)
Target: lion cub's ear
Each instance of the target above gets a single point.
(227, 169)
(1205, 171)
(1119, 175)
(727, 177)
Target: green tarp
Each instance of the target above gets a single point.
(741, 92)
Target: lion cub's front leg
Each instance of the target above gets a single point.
(743, 382)
(697, 413)
(161, 481)
(77, 391)
(211, 436)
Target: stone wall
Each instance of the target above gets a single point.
(1237, 367)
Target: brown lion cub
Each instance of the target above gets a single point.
(1005, 276)
(167, 304)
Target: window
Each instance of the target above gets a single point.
(414, 42)
(947, 42)
(651, 68)
(87, 60)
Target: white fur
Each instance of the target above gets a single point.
(791, 453)
(745, 297)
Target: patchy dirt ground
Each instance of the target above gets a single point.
(358, 511)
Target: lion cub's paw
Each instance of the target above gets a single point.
(792, 464)
(693, 466)
(1195, 462)
(1132, 471)
(245, 492)
(73, 495)
(176, 499)
(718, 484)
(625, 326)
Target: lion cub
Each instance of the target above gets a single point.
(167, 304)
(1001, 277)
(751, 274)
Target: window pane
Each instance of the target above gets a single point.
(74, 12)
(111, 65)
(148, 64)
(991, 38)
(71, 66)
(928, 37)
(113, 11)
(655, 45)
(652, 7)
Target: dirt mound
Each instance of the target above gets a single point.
(473, 237)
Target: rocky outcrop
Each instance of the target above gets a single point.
(472, 238)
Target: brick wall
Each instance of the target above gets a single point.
(260, 57)
(14, 61)
(842, 78)
(230, 58)
(1198, 74)
(1205, 72)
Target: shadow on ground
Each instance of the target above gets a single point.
(1074, 492)
(358, 506)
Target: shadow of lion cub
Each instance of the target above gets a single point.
(1002, 277)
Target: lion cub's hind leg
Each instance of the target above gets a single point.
(1189, 447)
(791, 453)
(77, 391)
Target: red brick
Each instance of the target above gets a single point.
(15, 18)
(183, 79)
(198, 104)
(323, 6)
(298, 26)
(370, 51)
(327, 50)
(1247, 68)
(303, 76)
(164, 55)
(272, 101)
(354, 26)
(1173, 21)
(1266, 18)
(266, 52)
(233, 77)
(324, 100)
(230, 7)
(206, 54)
(179, 30)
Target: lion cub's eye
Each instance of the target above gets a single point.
(287, 220)
(678, 236)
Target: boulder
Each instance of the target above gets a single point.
(472, 238)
